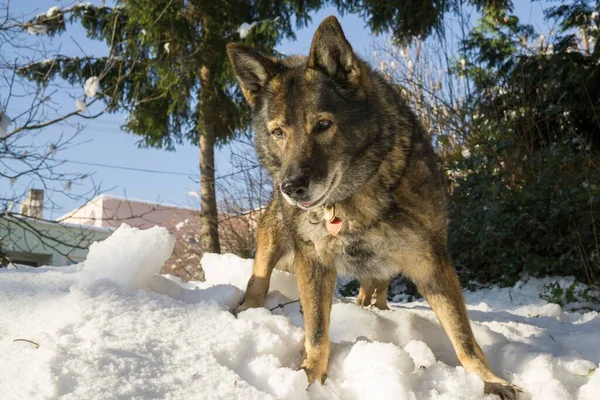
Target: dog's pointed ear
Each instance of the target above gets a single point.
(331, 52)
(252, 69)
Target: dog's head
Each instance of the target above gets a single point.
(311, 116)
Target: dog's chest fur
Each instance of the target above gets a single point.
(365, 254)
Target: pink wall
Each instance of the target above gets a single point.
(111, 211)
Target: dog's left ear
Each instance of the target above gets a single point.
(331, 52)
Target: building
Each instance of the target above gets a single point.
(236, 230)
(107, 211)
(27, 238)
(111, 211)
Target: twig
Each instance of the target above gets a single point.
(37, 346)
(281, 305)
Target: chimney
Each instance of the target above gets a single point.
(33, 205)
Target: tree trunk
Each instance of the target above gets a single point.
(209, 218)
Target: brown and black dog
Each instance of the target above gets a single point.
(358, 191)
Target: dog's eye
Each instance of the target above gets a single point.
(277, 132)
(322, 126)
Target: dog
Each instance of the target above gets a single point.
(358, 191)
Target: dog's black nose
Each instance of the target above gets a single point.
(295, 187)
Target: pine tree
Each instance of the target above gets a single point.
(168, 70)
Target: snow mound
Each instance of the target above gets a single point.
(131, 265)
(231, 269)
(374, 370)
(114, 327)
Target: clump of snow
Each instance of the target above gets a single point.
(37, 29)
(132, 265)
(91, 86)
(112, 325)
(245, 28)
(375, 370)
(80, 104)
(52, 11)
(421, 354)
(83, 5)
(181, 224)
(5, 121)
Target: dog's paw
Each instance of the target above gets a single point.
(361, 301)
(314, 376)
(314, 372)
(382, 306)
(504, 390)
(239, 309)
(364, 301)
(247, 303)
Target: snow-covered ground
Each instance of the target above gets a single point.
(111, 329)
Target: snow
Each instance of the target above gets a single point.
(91, 86)
(112, 327)
(131, 266)
(80, 104)
(37, 29)
(52, 11)
(245, 28)
(5, 121)
(83, 5)
(180, 225)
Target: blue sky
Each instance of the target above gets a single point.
(103, 142)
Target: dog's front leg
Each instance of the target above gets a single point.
(268, 252)
(316, 282)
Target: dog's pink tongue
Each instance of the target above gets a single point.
(334, 226)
